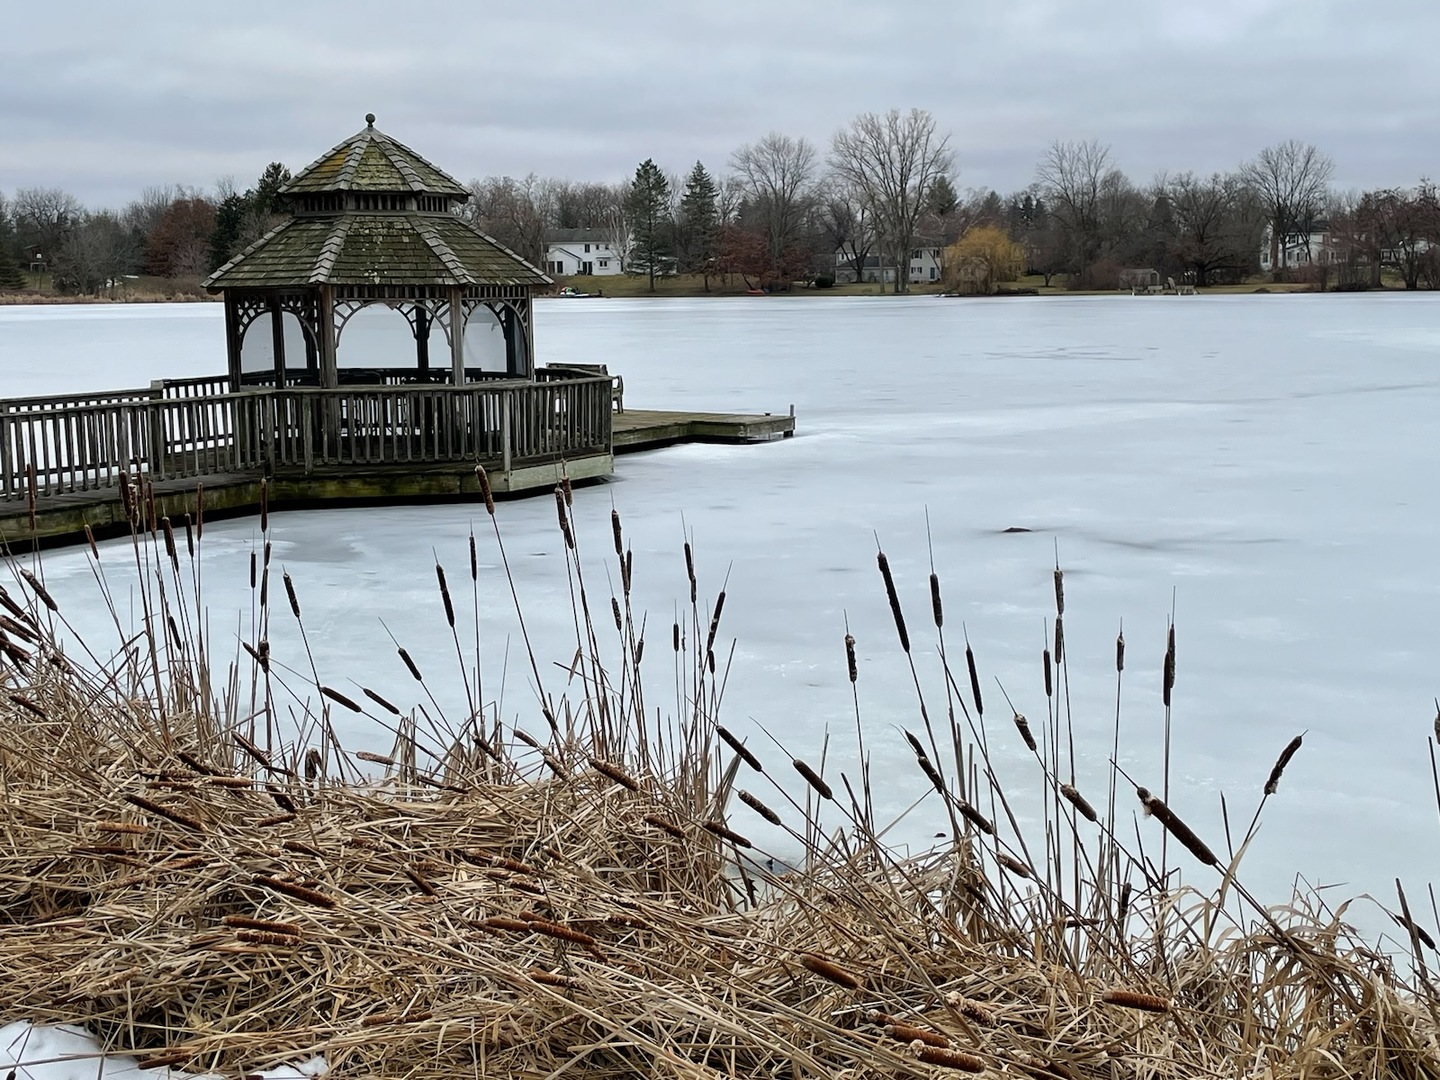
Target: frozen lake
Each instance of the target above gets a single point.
(1268, 462)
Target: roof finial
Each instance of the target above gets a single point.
(370, 119)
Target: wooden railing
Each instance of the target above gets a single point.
(86, 442)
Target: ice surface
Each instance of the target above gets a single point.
(1266, 465)
(69, 1052)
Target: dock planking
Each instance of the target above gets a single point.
(649, 429)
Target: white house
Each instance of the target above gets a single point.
(582, 252)
(925, 266)
(1318, 247)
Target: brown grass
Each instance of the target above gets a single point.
(522, 911)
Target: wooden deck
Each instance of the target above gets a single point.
(62, 460)
(648, 429)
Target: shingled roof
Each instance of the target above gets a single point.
(370, 160)
(363, 246)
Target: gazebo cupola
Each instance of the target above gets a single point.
(372, 223)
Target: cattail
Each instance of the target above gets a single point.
(189, 537)
(1014, 865)
(374, 759)
(639, 650)
(690, 570)
(1408, 924)
(850, 664)
(563, 933)
(252, 571)
(184, 820)
(1059, 591)
(256, 655)
(907, 1034)
(296, 892)
(268, 926)
(474, 559)
(1129, 999)
(445, 595)
(1059, 641)
(339, 698)
(19, 629)
(1168, 683)
(1049, 684)
(128, 827)
(615, 611)
(28, 705)
(405, 656)
(614, 772)
(813, 779)
(979, 820)
(1123, 908)
(9, 604)
(759, 807)
(39, 589)
(665, 826)
(233, 783)
(627, 568)
(1022, 725)
(283, 801)
(418, 880)
(565, 486)
(564, 519)
(314, 765)
(931, 772)
(974, 678)
(549, 978)
(969, 1007)
(373, 696)
(719, 829)
(1120, 652)
(740, 749)
(127, 497)
(515, 866)
(818, 965)
(264, 505)
(260, 937)
(935, 607)
(715, 621)
(90, 539)
(265, 588)
(1284, 759)
(1177, 828)
(290, 592)
(675, 636)
(169, 534)
(894, 599)
(615, 530)
(949, 1059)
(1079, 802)
(483, 479)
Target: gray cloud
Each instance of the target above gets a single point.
(103, 100)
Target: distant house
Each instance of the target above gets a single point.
(582, 253)
(1318, 247)
(925, 266)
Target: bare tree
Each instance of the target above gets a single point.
(44, 216)
(845, 225)
(1072, 177)
(1217, 226)
(777, 176)
(94, 255)
(517, 213)
(1291, 179)
(894, 161)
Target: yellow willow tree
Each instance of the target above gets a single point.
(981, 259)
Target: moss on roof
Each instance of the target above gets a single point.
(370, 160)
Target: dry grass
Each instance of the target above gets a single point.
(205, 882)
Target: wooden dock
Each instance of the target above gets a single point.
(63, 460)
(649, 429)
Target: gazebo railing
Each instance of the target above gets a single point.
(86, 443)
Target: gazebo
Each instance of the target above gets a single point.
(372, 223)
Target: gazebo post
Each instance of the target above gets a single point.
(457, 336)
(232, 341)
(422, 338)
(329, 375)
(277, 339)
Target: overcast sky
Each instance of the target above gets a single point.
(105, 98)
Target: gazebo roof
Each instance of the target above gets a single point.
(375, 249)
(350, 242)
(370, 160)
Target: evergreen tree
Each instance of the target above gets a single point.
(11, 276)
(698, 230)
(647, 205)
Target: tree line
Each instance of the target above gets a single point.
(783, 210)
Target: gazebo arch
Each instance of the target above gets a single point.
(372, 222)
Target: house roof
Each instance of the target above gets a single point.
(370, 160)
(579, 236)
(375, 249)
